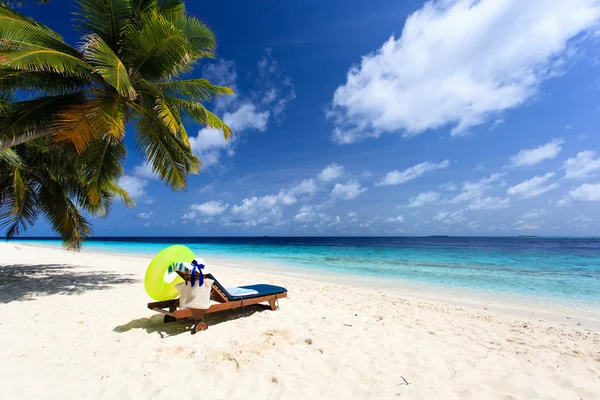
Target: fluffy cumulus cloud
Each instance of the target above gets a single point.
(331, 172)
(347, 191)
(458, 63)
(489, 203)
(135, 186)
(210, 143)
(208, 209)
(423, 198)
(253, 211)
(245, 112)
(535, 156)
(586, 192)
(398, 177)
(533, 187)
(583, 166)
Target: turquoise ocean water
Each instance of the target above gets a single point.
(548, 271)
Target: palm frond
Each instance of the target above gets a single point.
(122, 193)
(105, 18)
(171, 9)
(140, 8)
(198, 113)
(30, 118)
(72, 124)
(18, 30)
(106, 114)
(201, 38)
(63, 215)
(156, 48)
(100, 165)
(169, 156)
(33, 58)
(11, 159)
(22, 3)
(18, 209)
(170, 118)
(194, 89)
(40, 83)
(108, 65)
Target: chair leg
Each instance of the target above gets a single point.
(273, 305)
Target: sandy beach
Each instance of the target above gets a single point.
(75, 325)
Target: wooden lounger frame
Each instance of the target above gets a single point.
(172, 312)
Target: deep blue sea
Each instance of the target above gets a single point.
(560, 271)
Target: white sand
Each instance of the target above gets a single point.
(75, 325)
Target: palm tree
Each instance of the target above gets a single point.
(126, 69)
(39, 179)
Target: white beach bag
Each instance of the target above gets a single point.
(195, 297)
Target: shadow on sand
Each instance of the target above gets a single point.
(156, 324)
(19, 282)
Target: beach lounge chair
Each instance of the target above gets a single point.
(226, 299)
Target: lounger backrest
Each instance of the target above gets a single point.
(220, 287)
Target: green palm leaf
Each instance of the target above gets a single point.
(194, 89)
(100, 165)
(169, 156)
(156, 49)
(63, 215)
(198, 113)
(32, 118)
(108, 65)
(105, 18)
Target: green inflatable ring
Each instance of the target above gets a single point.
(154, 282)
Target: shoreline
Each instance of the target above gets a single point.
(420, 291)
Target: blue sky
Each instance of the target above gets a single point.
(385, 118)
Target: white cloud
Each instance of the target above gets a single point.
(458, 63)
(527, 157)
(352, 214)
(580, 222)
(242, 113)
(583, 166)
(473, 190)
(246, 117)
(534, 214)
(399, 218)
(146, 215)
(396, 177)
(423, 198)
(533, 187)
(306, 187)
(450, 218)
(449, 187)
(331, 172)
(145, 171)
(210, 208)
(133, 185)
(525, 226)
(489, 203)
(306, 213)
(586, 192)
(347, 191)
(254, 211)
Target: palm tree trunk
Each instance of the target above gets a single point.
(17, 140)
